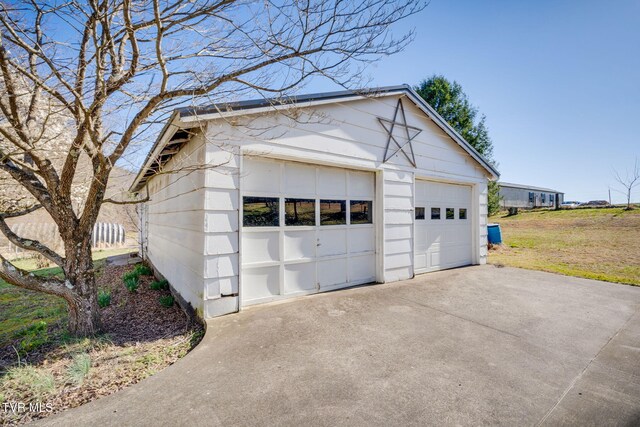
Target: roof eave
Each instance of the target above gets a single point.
(162, 136)
(189, 115)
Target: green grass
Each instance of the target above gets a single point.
(21, 313)
(599, 244)
(22, 310)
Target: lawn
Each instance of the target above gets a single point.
(143, 332)
(24, 312)
(602, 244)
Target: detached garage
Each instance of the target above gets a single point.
(262, 200)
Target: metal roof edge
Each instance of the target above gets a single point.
(527, 187)
(221, 108)
(249, 104)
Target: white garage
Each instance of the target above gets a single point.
(261, 200)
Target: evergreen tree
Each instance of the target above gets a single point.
(450, 101)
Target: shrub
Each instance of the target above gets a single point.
(78, 370)
(130, 274)
(104, 298)
(142, 270)
(131, 283)
(34, 336)
(159, 285)
(166, 300)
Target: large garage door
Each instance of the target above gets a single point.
(305, 229)
(443, 226)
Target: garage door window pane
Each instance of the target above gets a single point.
(361, 212)
(451, 213)
(299, 212)
(435, 213)
(333, 212)
(261, 211)
(419, 213)
(462, 213)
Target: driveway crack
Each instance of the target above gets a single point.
(581, 374)
(459, 317)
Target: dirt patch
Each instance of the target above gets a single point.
(140, 337)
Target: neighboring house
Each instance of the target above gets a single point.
(528, 197)
(316, 193)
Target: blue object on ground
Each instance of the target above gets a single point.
(494, 234)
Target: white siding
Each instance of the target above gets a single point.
(221, 238)
(482, 192)
(398, 225)
(348, 134)
(175, 238)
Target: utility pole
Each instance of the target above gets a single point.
(609, 195)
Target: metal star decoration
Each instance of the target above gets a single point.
(410, 132)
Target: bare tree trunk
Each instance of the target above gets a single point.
(84, 314)
(84, 311)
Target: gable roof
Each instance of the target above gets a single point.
(182, 116)
(527, 187)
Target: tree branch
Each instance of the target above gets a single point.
(29, 244)
(6, 215)
(24, 279)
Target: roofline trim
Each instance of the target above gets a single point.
(214, 111)
(528, 187)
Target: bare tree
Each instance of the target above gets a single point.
(95, 77)
(628, 181)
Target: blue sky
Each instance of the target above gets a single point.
(559, 82)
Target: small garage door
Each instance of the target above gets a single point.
(443, 226)
(305, 229)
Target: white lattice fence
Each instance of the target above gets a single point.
(108, 234)
(105, 235)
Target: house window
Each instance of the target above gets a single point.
(419, 213)
(361, 211)
(333, 212)
(450, 213)
(543, 197)
(260, 211)
(435, 213)
(299, 212)
(531, 197)
(462, 213)
(551, 198)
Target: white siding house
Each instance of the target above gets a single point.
(272, 200)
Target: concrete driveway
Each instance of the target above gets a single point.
(471, 346)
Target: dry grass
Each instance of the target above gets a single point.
(602, 244)
(141, 337)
